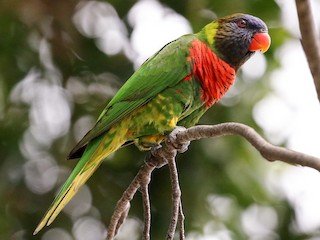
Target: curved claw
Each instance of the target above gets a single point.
(180, 147)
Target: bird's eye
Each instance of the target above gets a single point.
(242, 23)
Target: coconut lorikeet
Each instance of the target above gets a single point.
(173, 87)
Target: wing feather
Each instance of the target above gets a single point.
(164, 69)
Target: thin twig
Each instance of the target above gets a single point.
(147, 212)
(176, 197)
(181, 221)
(310, 40)
(146, 207)
(127, 196)
(121, 208)
(123, 217)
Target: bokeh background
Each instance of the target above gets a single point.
(62, 61)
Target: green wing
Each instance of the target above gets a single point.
(164, 69)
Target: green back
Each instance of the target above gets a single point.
(164, 69)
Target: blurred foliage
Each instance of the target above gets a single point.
(55, 80)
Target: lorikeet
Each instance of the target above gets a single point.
(173, 87)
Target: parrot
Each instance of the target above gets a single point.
(174, 87)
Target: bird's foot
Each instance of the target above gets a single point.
(172, 140)
(156, 157)
(159, 154)
(147, 143)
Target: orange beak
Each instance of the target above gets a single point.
(260, 41)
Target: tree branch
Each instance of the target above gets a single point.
(181, 221)
(176, 197)
(146, 210)
(267, 150)
(310, 40)
(123, 204)
(166, 155)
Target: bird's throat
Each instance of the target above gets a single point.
(214, 75)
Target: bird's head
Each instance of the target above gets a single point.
(236, 37)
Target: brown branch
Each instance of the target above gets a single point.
(147, 212)
(176, 196)
(146, 205)
(123, 204)
(181, 222)
(267, 150)
(310, 40)
(177, 142)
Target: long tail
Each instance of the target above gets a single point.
(97, 150)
